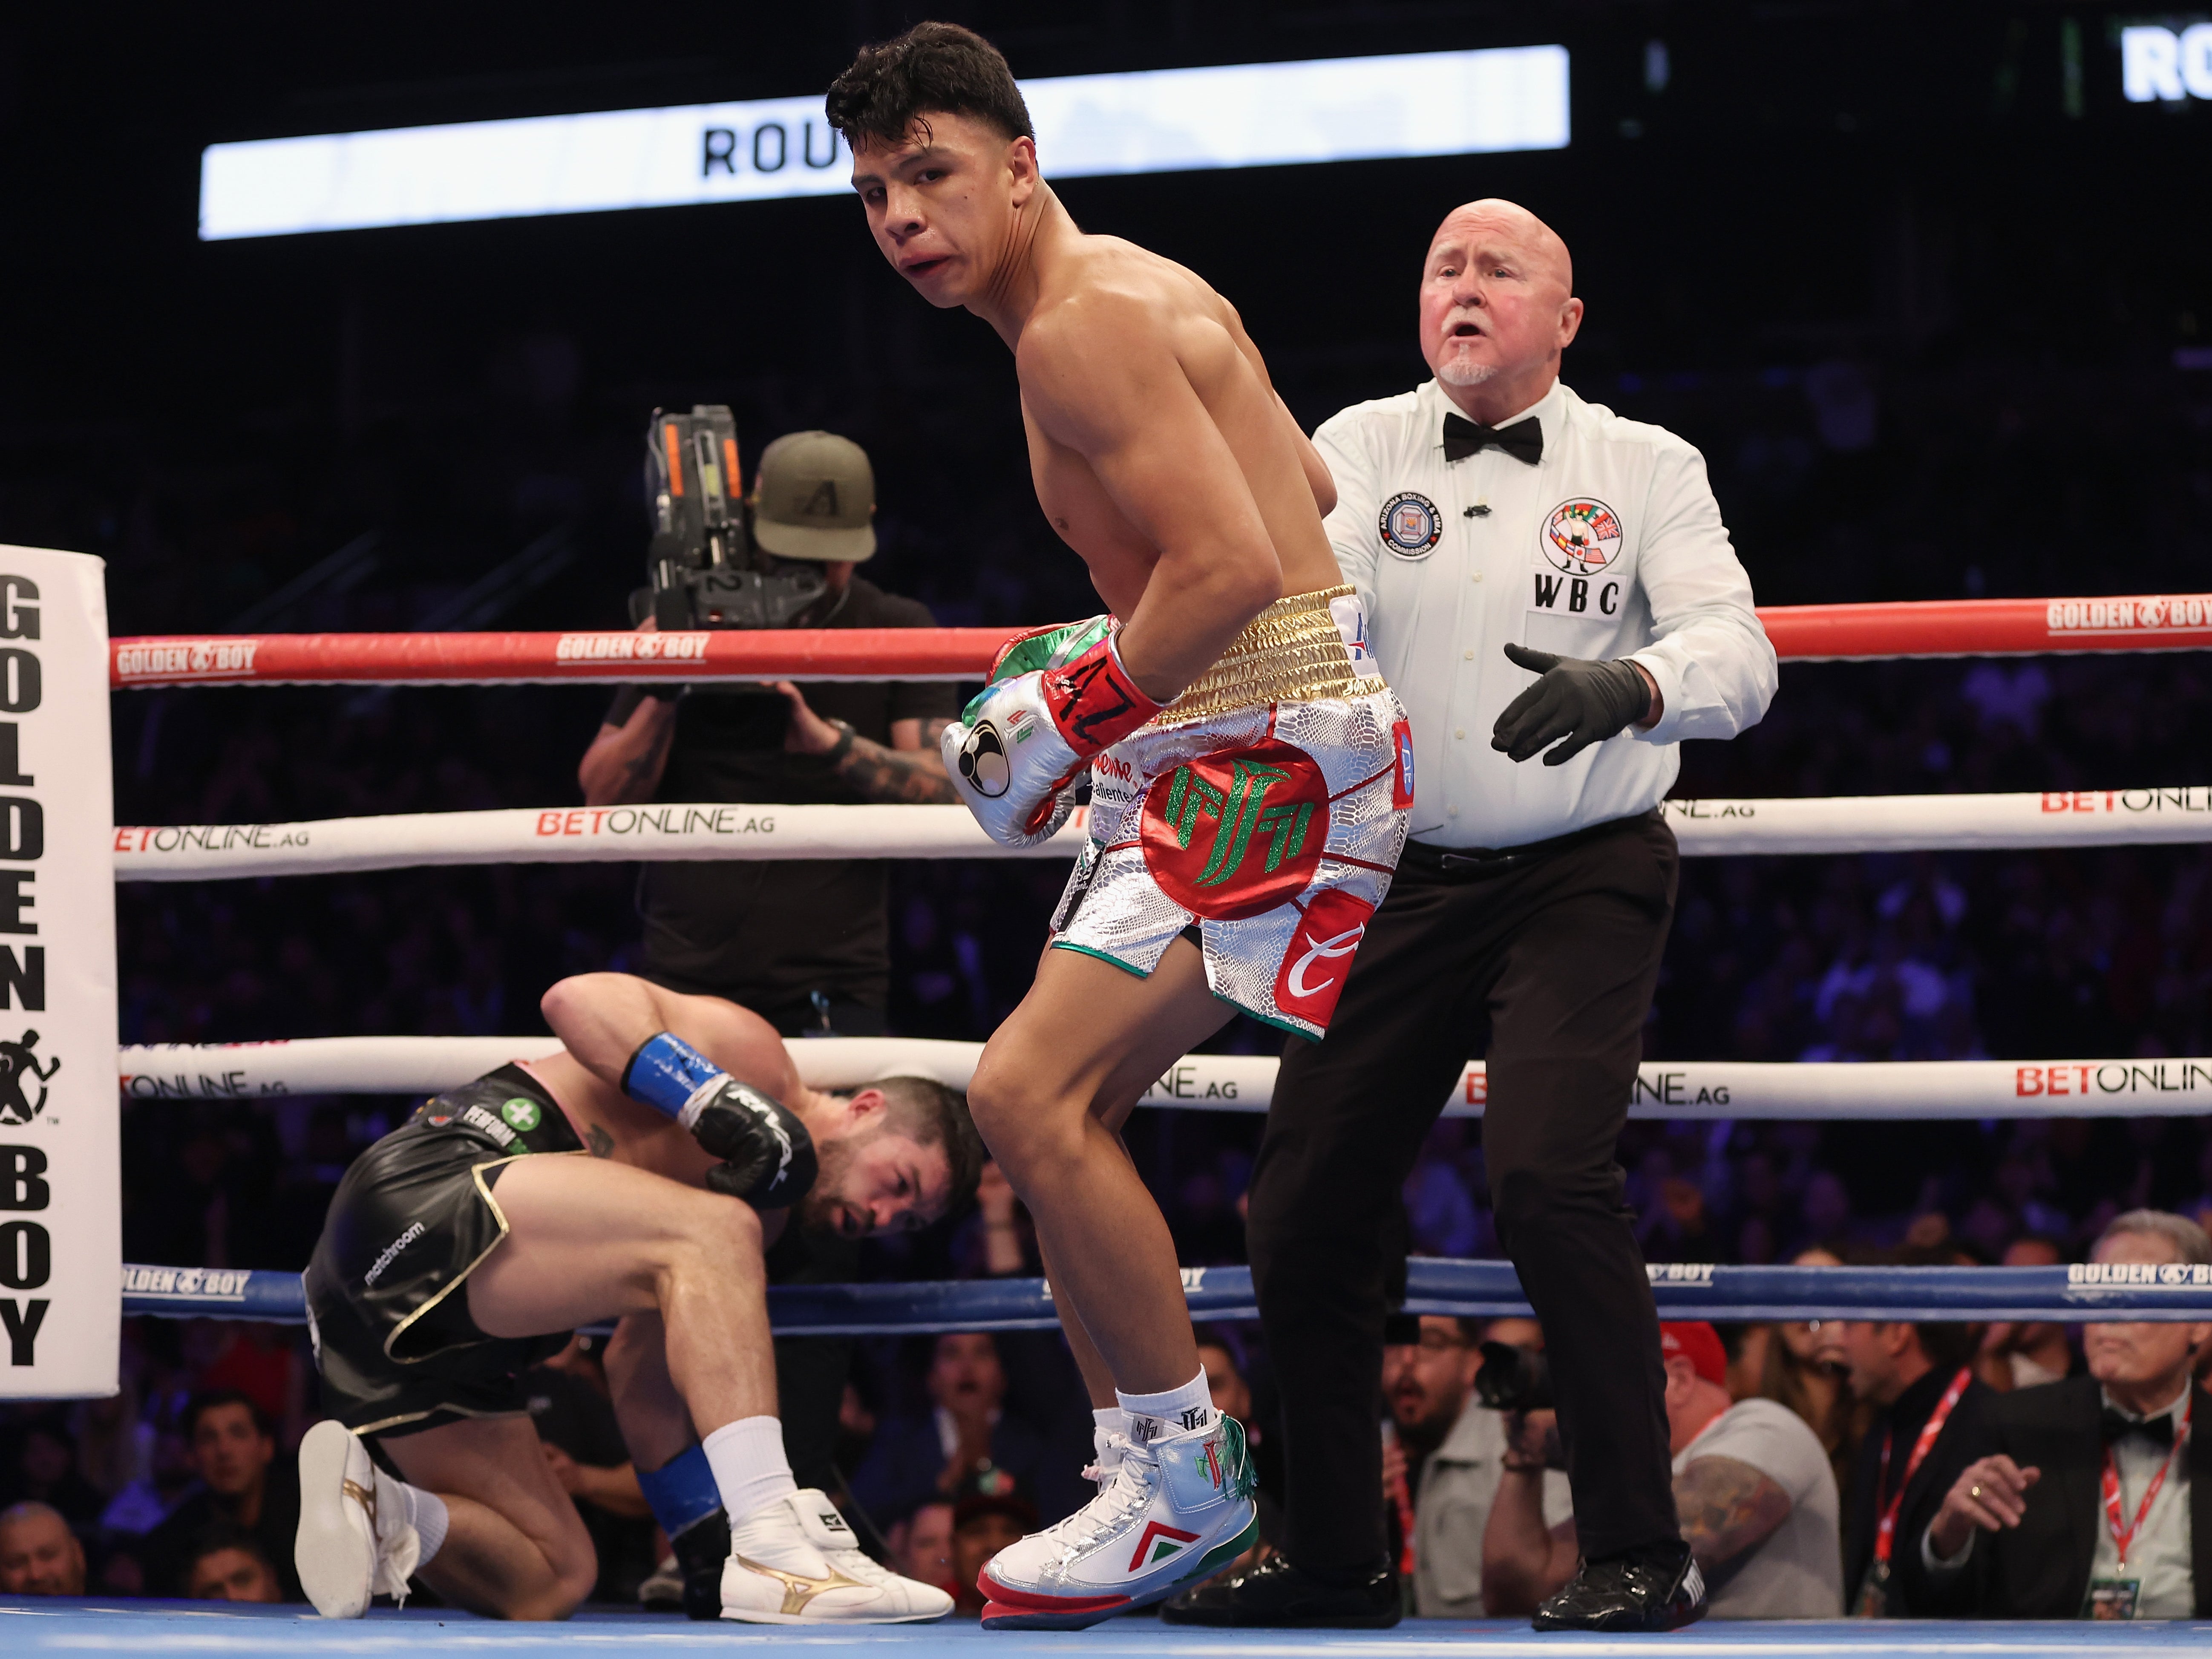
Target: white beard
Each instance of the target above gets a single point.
(1456, 370)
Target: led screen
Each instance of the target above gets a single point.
(1443, 103)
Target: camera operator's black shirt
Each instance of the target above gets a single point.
(768, 933)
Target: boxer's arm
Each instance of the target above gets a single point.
(1100, 377)
(601, 1019)
(1319, 479)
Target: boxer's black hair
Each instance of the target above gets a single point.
(895, 85)
(934, 1115)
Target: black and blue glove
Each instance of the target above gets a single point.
(768, 1157)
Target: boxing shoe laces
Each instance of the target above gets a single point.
(1176, 1510)
(795, 1562)
(1106, 1446)
(356, 1539)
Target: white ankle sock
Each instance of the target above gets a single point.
(750, 1468)
(427, 1514)
(1176, 1410)
(1111, 1420)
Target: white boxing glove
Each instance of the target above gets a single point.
(1057, 696)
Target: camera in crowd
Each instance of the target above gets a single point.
(1513, 1379)
(705, 567)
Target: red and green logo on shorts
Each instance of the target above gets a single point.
(1236, 834)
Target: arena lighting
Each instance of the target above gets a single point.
(1339, 109)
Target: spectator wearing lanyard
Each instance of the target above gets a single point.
(2092, 1499)
(1931, 1413)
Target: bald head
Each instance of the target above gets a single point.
(1513, 228)
(1497, 306)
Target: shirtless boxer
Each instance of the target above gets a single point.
(692, 1143)
(1249, 773)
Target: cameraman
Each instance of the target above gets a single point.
(807, 942)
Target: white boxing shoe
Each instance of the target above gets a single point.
(795, 1562)
(354, 1540)
(1175, 1511)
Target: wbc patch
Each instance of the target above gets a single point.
(1583, 537)
(1411, 524)
(1236, 833)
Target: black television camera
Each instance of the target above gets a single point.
(704, 569)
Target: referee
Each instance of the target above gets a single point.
(1543, 579)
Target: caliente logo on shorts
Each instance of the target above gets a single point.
(1237, 833)
(1583, 537)
(1320, 956)
(1411, 524)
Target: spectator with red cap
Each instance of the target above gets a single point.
(1753, 1491)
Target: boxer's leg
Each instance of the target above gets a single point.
(656, 1425)
(1086, 1042)
(515, 1547)
(587, 1238)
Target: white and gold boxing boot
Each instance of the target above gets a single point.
(357, 1537)
(794, 1561)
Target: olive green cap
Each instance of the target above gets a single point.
(815, 498)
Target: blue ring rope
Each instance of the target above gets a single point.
(2064, 1294)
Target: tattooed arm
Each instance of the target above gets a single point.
(624, 763)
(910, 770)
(1728, 1509)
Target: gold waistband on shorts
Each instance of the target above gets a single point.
(1291, 651)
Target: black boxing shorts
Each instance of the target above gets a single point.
(413, 1217)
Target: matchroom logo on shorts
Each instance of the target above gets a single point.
(1235, 833)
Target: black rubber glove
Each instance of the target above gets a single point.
(1585, 702)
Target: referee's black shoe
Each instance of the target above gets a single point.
(1275, 1593)
(1648, 1589)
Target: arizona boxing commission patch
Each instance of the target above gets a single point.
(1237, 833)
(1411, 524)
(1583, 537)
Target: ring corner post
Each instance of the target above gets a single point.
(61, 1258)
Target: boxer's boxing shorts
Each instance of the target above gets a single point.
(387, 1302)
(1267, 804)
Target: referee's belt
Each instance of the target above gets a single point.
(1481, 863)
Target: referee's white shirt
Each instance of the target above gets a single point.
(1611, 546)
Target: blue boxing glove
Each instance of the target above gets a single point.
(768, 1157)
(1057, 696)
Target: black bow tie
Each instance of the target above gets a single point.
(1463, 437)
(2159, 1430)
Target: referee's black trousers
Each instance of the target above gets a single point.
(1547, 970)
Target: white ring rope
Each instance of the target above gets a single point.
(584, 835)
(1240, 1082)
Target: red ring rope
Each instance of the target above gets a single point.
(1862, 633)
